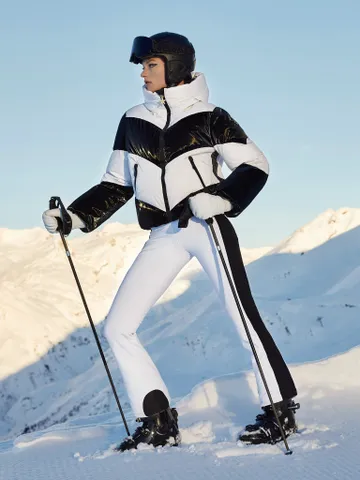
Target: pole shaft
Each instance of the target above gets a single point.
(234, 292)
(94, 331)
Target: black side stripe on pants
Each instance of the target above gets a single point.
(281, 371)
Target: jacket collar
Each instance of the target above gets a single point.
(182, 96)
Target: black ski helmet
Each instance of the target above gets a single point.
(176, 50)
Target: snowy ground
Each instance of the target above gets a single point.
(52, 380)
(326, 447)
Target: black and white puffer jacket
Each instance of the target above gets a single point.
(162, 148)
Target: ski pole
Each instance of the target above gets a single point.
(210, 222)
(64, 228)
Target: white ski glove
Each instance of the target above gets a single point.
(50, 220)
(204, 205)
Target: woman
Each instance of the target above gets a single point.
(169, 151)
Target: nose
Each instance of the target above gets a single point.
(143, 73)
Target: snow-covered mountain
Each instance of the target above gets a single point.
(307, 288)
(324, 227)
(44, 328)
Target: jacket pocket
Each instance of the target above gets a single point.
(192, 163)
(135, 175)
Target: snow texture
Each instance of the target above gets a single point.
(58, 417)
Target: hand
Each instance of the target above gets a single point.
(51, 223)
(205, 205)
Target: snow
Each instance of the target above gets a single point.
(58, 416)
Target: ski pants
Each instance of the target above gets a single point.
(168, 249)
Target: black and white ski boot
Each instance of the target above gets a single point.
(266, 428)
(158, 430)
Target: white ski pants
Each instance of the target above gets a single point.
(165, 253)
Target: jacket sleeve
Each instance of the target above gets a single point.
(248, 165)
(96, 205)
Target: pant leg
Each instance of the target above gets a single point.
(153, 270)
(277, 374)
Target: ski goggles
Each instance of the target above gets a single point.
(142, 47)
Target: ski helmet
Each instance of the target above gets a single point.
(176, 51)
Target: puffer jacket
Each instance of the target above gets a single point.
(167, 149)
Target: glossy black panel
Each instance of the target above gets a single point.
(225, 129)
(149, 216)
(119, 143)
(241, 187)
(143, 138)
(204, 129)
(99, 203)
(188, 134)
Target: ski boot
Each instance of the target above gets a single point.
(266, 428)
(158, 430)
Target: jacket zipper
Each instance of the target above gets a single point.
(162, 157)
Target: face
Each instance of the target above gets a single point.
(153, 73)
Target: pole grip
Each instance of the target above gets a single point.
(64, 223)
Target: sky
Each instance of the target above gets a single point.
(287, 71)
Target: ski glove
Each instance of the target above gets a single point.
(50, 220)
(205, 205)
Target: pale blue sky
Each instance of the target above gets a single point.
(287, 71)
